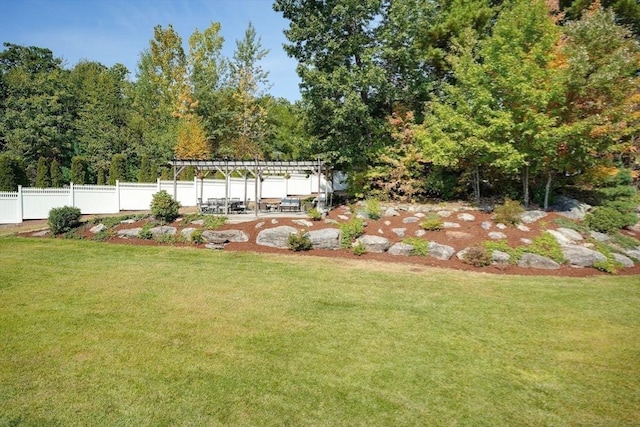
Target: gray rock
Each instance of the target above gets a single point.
(129, 232)
(466, 217)
(497, 235)
(500, 257)
(458, 235)
(448, 224)
(419, 215)
(186, 232)
(633, 253)
(410, 220)
(373, 243)
(303, 222)
(163, 230)
(327, 238)
(331, 221)
(400, 249)
(461, 254)
(224, 236)
(400, 232)
(380, 231)
(41, 233)
(570, 233)
(570, 208)
(561, 238)
(523, 227)
(440, 251)
(198, 222)
(128, 221)
(343, 217)
(444, 214)
(501, 226)
(420, 233)
(581, 256)
(274, 221)
(387, 223)
(537, 261)
(600, 237)
(275, 237)
(391, 212)
(214, 246)
(486, 225)
(260, 224)
(526, 241)
(98, 228)
(625, 261)
(532, 216)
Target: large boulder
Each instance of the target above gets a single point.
(440, 251)
(500, 257)
(163, 230)
(98, 228)
(581, 256)
(275, 237)
(570, 208)
(187, 232)
(400, 249)
(374, 243)
(625, 261)
(224, 236)
(537, 261)
(129, 232)
(561, 238)
(570, 233)
(529, 217)
(327, 238)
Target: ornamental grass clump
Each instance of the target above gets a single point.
(372, 209)
(314, 214)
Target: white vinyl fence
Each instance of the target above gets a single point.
(35, 203)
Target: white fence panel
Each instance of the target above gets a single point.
(96, 199)
(37, 202)
(211, 189)
(9, 209)
(301, 185)
(186, 191)
(136, 197)
(274, 187)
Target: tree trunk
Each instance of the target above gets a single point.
(547, 190)
(476, 183)
(525, 186)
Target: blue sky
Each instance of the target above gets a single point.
(117, 31)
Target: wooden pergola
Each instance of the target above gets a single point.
(255, 168)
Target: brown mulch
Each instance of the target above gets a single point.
(474, 234)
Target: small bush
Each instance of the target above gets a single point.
(212, 222)
(102, 236)
(314, 214)
(515, 254)
(607, 220)
(432, 222)
(351, 230)
(165, 238)
(478, 256)
(359, 249)
(420, 246)
(372, 209)
(567, 223)
(610, 266)
(509, 212)
(63, 219)
(547, 245)
(627, 242)
(196, 236)
(163, 207)
(145, 233)
(299, 242)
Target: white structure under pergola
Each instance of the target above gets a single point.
(255, 168)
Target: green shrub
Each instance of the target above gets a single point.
(79, 173)
(372, 209)
(420, 246)
(63, 219)
(478, 256)
(163, 207)
(196, 236)
(145, 233)
(509, 212)
(627, 242)
(359, 249)
(102, 236)
(546, 245)
(165, 238)
(351, 230)
(212, 222)
(299, 242)
(515, 254)
(314, 214)
(610, 266)
(12, 173)
(432, 222)
(567, 223)
(607, 220)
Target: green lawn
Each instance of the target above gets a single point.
(103, 334)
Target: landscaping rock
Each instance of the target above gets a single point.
(163, 230)
(561, 238)
(410, 220)
(331, 221)
(98, 228)
(375, 244)
(570, 208)
(198, 222)
(458, 235)
(439, 251)
(129, 232)
(41, 233)
(532, 216)
(274, 221)
(466, 217)
(420, 233)
(570, 233)
(500, 257)
(127, 221)
(387, 223)
(215, 246)
(461, 254)
(303, 222)
(526, 241)
(391, 212)
(400, 249)
(259, 225)
(400, 232)
(486, 225)
(600, 237)
(275, 237)
(523, 227)
(625, 261)
(497, 235)
(581, 256)
(343, 217)
(448, 224)
(501, 226)
(327, 238)
(224, 236)
(633, 253)
(444, 214)
(537, 261)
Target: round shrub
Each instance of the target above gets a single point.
(509, 212)
(163, 207)
(63, 219)
(478, 256)
(606, 220)
(299, 242)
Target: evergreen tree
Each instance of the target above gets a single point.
(12, 173)
(118, 169)
(42, 177)
(79, 170)
(57, 180)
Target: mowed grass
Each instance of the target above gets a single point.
(103, 334)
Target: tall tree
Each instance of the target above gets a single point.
(43, 179)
